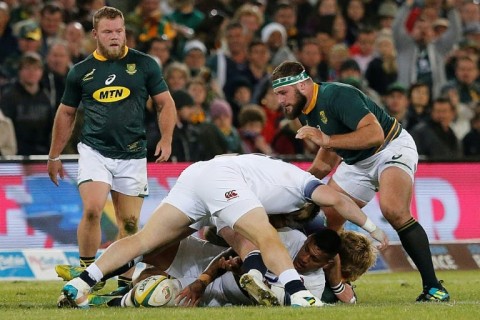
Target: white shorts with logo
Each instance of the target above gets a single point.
(361, 180)
(229, 187)
(128, 177)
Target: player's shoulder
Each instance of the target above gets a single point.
(140, 56)
(83, 67)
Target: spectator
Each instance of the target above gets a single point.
(419, 108)
(355, 16)
(252, 121)
(51, 23)
(251, 18)
(8, 141)
(184, 135)
(310, 57)
(470, 13)
(396, 103)
(382, 71)
(337, 56)
(221, 114)
(231, 62)
(28, 105)
(147, 22)
(55, 74)
(258, 56)
(199, 92)
(242, 95)
(466, 80)
(339, 29)
(159, 47)
(421, 56)
(471, 141)
(273, 114)
(29, 37)
(285, 14)
(284, 141)
(76, 41)
(363, 51)
(177, 76)
(8, 42)
(434, 138)
(25, 10)
(314, 21)
(350, 73)
(185, 20)
(194, 56)
(386, 13)
(463, 113)
(275, 36)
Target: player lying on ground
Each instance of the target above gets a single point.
(206, 283)
(238, 190)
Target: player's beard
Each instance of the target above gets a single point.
(114, 53)
(297, 106)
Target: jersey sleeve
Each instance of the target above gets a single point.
(349, 105)
(155, 82)
(73, 90)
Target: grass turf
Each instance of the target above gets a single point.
(381, 296)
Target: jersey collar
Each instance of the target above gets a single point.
(312, 103)
(100, 57)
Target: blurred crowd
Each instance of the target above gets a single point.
(419, 59)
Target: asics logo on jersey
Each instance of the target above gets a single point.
(231, 194)
(110, 79)
(397, 156)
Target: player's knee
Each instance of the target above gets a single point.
(130, 225)
(92, 214)
(396, 216)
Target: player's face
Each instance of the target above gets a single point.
(291, 100)
(110, 36)
(310, 257)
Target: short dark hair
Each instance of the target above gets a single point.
(328, 241)
(29, 59)
(106, 12)
(287, 68)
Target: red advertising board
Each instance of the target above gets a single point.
(34, 213)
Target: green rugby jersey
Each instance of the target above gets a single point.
(114, 95)
(338, 108)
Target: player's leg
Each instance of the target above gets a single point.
(162, 229)
(255, 227)
(395, 198)
(127, 213)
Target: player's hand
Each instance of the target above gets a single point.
(163, 150)
(232, 264)
(191, 294)
(315, 135)
(55, 169)
(347, 295)
(381, 237)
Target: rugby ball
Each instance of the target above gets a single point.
(155, 291)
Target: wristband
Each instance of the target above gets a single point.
(205, 278)
(54, 159)
(369, 226)
(338, 288)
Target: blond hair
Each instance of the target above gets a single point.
(106, 13)
(357, 255)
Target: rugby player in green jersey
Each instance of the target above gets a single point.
(370, 151)
(113, 85)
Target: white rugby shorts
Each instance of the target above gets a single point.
(128, 177)
(361, 180)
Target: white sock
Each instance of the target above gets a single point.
(94, 272)
(289, 275)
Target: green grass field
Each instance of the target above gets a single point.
(381, 296)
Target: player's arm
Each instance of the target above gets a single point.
(325, 196)
(167, 118)
(368, 134)
(325, 161)
(61, 132)
(190, 296)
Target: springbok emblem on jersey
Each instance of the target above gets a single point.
(323, 117)
(131, 68)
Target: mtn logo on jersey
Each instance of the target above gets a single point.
(232, 194)
(111, 94)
